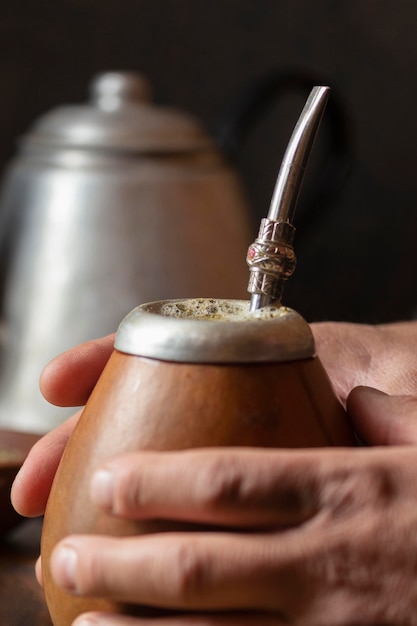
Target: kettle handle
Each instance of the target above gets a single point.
(337, 160)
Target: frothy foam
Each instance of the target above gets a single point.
(218, 310)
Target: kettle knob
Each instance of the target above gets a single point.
(110, 90)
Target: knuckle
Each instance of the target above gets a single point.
(353, 489)
(221, 483)
(92, 574)
(189, 576)
(129, 495)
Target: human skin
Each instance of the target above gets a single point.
(332, 533)
(383, 356)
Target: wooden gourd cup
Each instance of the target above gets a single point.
(222, 377)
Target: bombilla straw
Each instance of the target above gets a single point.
(297, 155)
(271, 258)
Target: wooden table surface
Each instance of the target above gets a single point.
(21, 599)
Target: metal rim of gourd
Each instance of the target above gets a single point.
(274, 334)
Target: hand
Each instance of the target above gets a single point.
(382, 356)
(32, 487)
(319, 537)
(353, 354)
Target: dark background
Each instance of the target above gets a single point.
(357, 254)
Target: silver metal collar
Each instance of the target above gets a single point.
(206, 330)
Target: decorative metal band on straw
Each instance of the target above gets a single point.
(271, 258)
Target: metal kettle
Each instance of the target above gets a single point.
(108, 204)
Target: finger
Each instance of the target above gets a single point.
(250, 488)
(215, 619)
(184, 571)
(38, 571)
(239, 487)
(69, 379)
(380, 419)
(33, 482)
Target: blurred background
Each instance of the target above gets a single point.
(244, 68)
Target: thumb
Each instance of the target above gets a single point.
(380, 419)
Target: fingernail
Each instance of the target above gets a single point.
(372, 391)
(102, 487)
(38, 571)
(64, 567)
(86, 621)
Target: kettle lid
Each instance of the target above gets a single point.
(120, 116)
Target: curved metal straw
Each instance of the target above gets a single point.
(271, 258)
